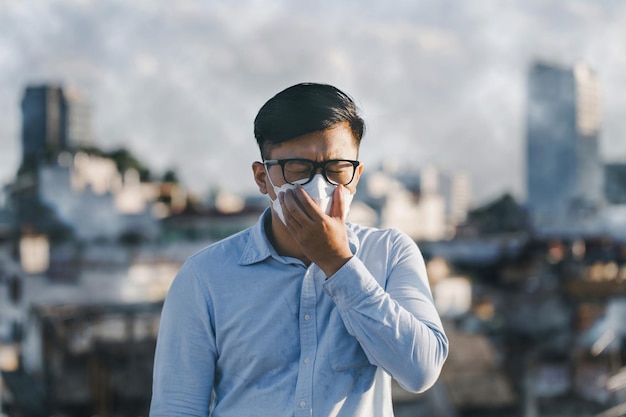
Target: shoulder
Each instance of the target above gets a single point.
(387, 253)
(213, 260)
(373, 235)
(224, 250)
(390, 246)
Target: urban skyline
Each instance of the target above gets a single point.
(565, 170)
(88, 251)
(537, 317)
(443, 82)
(62, 171)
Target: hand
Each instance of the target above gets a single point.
(322, 238)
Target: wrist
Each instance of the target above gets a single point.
(331, 266)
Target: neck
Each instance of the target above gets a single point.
(282, 241)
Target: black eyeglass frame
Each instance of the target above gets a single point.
(316, 165)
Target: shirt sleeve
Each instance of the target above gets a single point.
(398, 326)
(184, 362)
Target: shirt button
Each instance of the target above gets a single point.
(307, 360)
(307, 316)
(302, 404)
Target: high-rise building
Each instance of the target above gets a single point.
(53, 120)
(44, 124)
(53, 125)
(455, 188)
(564, 169)
(78, 120)
(615, 183)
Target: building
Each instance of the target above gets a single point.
(564, 170)
(79, 133)
(427, 204)
(53, 124)
(104, 206)
(86, 346)
(63, 190)
(456, 190)
(44, 124)
(615, 182)
(53, 120)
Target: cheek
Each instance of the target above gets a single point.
(357, 176)
(351, 187)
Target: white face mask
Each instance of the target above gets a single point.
(320, 191)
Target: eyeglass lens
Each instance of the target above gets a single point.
(337, 172)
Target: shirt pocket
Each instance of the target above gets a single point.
(344, 351)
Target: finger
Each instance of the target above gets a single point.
(307, 204)
(336, 205)
(287, 205)
(288, 217)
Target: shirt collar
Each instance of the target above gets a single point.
(258, 247)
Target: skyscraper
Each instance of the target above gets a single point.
(44, 124)
(53, 120)
(53, 123)
(78, 119)
(564, 170)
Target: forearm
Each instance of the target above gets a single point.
(402, 335)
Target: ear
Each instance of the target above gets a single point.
(260, 176)
(359, 171)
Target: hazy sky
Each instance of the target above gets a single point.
(179, 82)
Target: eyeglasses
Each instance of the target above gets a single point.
(302, 171)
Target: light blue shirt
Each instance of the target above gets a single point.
(245, 332)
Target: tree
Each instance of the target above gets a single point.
(503, 215)
(123, 159)
(170, 176)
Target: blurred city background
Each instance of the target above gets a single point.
(495, 140)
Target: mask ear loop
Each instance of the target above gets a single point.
(274, 187)
(269, 177)
(275, 204)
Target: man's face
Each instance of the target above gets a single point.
(335, 143)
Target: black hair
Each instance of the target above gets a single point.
(305, 108)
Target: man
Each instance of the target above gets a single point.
(302, 314)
